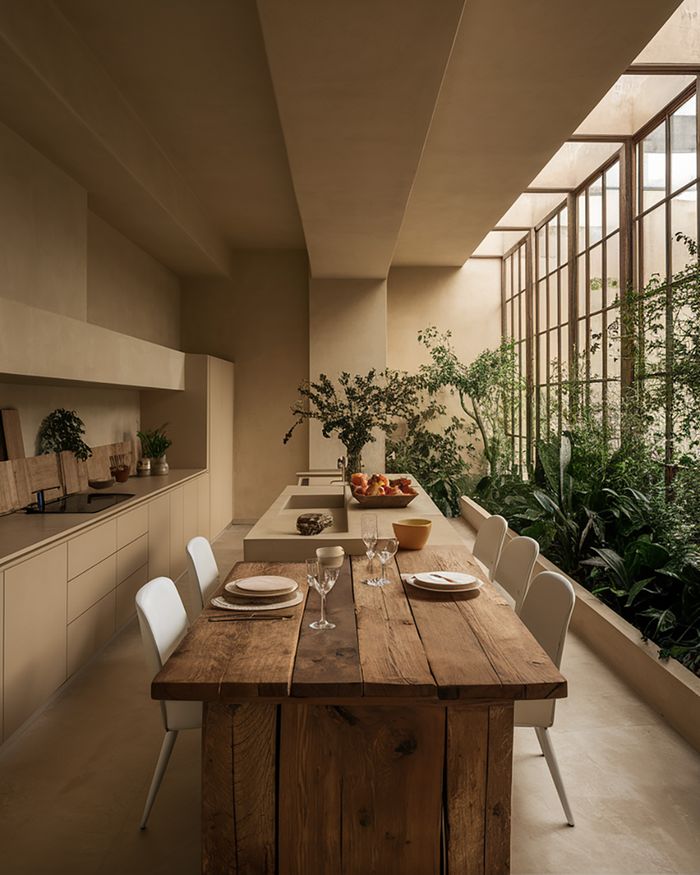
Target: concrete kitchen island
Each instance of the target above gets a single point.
(274, 538)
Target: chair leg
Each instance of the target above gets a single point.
(548, 751)
(162, 764)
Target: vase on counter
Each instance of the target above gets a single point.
(160, 466)
(143, 468)
(354, 463)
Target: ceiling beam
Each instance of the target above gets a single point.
(356, 86)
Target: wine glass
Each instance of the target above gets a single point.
(369, 536)
(386, 552)
(323, 580)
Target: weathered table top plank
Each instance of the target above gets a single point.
(392, 642)
(393, 656)
(227, 661)
(502, 653)
(328, 662)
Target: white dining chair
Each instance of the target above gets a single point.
(489, 542)
(203, 567)
(514, 568)
(163, 624)
(546, 612)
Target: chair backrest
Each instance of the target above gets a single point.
(162, 620)
(515, 566)
(489, 541)
(547, 611)
(203, 566)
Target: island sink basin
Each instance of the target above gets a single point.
(315, 501)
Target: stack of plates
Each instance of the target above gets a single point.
(444, 581)
(262, 593)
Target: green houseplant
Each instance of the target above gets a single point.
(63, 430)
(154, 444)
(354, 407)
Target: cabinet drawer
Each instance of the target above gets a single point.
(89, 587)
(132, 525)
(126, 593)
(89, 549)
(131, 557)
(89, 632)
(35, 634)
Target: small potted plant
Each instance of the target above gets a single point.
(62, 431)
(154, 444)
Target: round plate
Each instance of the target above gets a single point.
(264, 585)
(221, 602)
(443, 579)
(424, 586)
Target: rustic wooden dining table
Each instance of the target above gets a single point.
(382, 746)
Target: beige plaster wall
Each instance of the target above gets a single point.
(347, 332)
(465, 300)
(128, 290)
(258, 320)
(110, 415)
(42, 231)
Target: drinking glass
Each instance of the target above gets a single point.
(323, 581)
(368, 525)
(386, 552)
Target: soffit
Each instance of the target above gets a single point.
(522, 76)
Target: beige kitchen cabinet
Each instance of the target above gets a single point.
(200, 424)
(92, 585)
(159, 537)
(177, 532)
(190, 519)
(126, 594)
(2, 651)
(35, 634)
(91, 547)
(132, 557)
(90, 632)
(131, 525)
(203, 515)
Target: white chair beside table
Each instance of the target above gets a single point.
(489, 542)
(514, 567)
(203, 567)
(546, 611)
(163, 624)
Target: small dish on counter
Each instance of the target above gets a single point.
(412, 534)
(101, 484)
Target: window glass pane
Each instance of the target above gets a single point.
(582, 285)
(541, 253)
(563, 236)
(564, 296)
(553, 300)
(543, 358)
(683, 145)
(506, 274)
(582, 346)
(654, 247)
(654, 167)
(581, 233)
(542, 306)
(595, 267)
(683, 220)
(595, 212)
(523, 268)
(553, 239)
(612, 259)
(596, 342)
(523, 314)
(509, 321)
(612, 198)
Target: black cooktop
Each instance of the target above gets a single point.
(83, 502)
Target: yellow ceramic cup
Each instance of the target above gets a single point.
(412, 534)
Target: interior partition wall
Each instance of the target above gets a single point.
(614, 232)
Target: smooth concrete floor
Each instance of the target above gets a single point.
(74, 780)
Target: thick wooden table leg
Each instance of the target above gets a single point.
(360, 790)
(477, 795)
(238, 789)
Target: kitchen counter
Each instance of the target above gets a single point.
(275, 537)
(21, 533)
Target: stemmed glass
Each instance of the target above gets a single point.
(323, 580)
(369, 536)
(386, 552)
